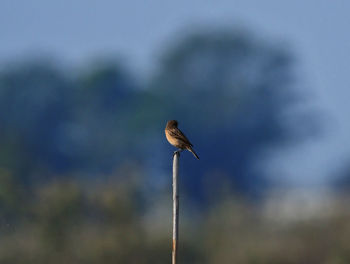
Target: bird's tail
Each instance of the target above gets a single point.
(194, 153)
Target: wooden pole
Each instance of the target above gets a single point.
(175, 206)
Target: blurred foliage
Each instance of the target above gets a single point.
(68, 223)
(83, 159)
(230, 92)
(342, 180)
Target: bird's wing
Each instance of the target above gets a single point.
(176, 133)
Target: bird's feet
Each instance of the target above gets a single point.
(178, 152)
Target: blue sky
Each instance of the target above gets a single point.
(316, 30)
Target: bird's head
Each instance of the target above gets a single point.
(171, 124)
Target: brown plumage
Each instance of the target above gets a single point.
(177, 138)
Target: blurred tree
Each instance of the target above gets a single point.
(53, 124)
(99, 134)
(34, 103)
(342, 180)
(229, 92)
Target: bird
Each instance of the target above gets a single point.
(176, 138)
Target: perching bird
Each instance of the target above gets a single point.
(177, 138)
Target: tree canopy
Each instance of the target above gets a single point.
(228, 90)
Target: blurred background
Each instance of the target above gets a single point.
(261, 89)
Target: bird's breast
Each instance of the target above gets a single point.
(172, 140)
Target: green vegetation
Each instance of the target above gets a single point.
(85, 169)
(63, 222)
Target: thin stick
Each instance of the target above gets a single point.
(175, 206)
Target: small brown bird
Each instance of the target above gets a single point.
(177, 138)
